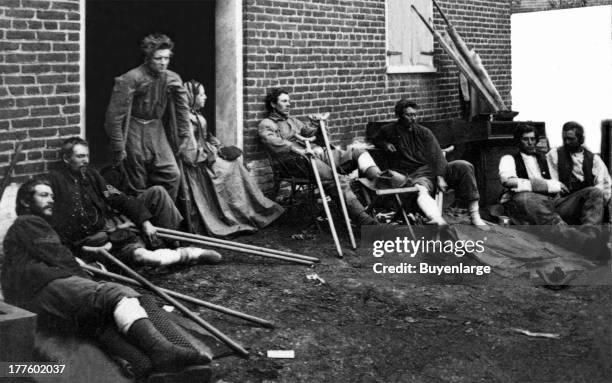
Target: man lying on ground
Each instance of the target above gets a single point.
(40, 274)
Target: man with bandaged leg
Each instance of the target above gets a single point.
(40, 274)
(415, 153)
(284, 137)
(87, 209)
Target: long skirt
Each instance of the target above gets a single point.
(226, 200)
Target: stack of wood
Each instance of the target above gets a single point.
(467, 60)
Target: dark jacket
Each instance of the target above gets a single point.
(521, 169)
(33, 257)
(83, 203)
(417, 149)
(566, 165)
(140, 93)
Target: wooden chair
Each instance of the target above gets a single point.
(296, 171)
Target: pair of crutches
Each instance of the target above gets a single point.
(322, 125)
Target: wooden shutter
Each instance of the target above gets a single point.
(409, 43)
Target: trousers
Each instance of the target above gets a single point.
(78, 303)
(150, 160)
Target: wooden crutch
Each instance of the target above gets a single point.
(322, 124)
(186, 298)
(330, 220)
(188, 313)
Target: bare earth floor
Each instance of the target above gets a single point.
(363, 327)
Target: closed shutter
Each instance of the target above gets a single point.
(409, 43)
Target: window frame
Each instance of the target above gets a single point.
(398, 69)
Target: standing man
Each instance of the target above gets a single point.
(415, 152)
(140, 99)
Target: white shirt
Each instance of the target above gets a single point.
(600, 171)
(507, 171)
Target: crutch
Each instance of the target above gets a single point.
(239, 245)
(186, 298)
(315, 171)
(208, 327)
(330, 157)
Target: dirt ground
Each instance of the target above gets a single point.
(361, 327)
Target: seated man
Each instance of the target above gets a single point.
(585, 175)
(415, 153)
(284, 136)
(40, 274)
(533, 197)
(85, 213)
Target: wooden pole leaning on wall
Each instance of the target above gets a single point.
(472, 58)
(188, 313)
(9, 170)
(186, 298)
(330, 219)
(446, 43)
(237, 244)
(332, 165)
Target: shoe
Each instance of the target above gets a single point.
(194, 255)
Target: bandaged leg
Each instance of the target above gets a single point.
(128, 311)
(368, 167)
(429, 207)
(474, 210)
(186, 255)
(159, 257)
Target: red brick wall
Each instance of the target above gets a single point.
(39, 85)
(520, 6)
(330, 55)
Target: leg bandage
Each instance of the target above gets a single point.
(429, 206)
(159, 257)
(368, 167)
(128, 311)
(365, 161)
(474, 210)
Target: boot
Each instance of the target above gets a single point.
(364, 219)
(163, 354)
(356, 211)
(133, 362)
(193, 255)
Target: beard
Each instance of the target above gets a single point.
(573, 148)
(45, 212)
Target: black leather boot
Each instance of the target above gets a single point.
(162, 353)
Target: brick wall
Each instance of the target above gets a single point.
(39, 82)
(521, 6)
(331, 56)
